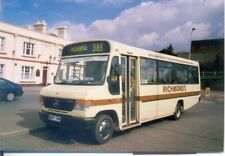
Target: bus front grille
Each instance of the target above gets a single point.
(59, 104)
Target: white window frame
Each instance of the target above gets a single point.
(2, 44)
(28, 49)
(27, 73)
(2, 70)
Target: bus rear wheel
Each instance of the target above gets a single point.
(103, 129)
(178, 112)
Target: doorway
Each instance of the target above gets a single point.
(129, 90)
(44, 76)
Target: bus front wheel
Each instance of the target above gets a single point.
(103, 129)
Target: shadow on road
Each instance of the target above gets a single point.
(5, 102)
(64, 136)
(73, 135)
(30, 119)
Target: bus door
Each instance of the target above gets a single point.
(129, 90)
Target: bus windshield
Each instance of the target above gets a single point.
(89, 70)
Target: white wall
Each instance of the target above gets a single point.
(46, 53)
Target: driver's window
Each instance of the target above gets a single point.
(114, 77)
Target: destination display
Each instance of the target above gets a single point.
(93, 47)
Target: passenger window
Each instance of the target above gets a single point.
(113, 79)
(193, 75)
(148, 71)
(165, 72)
(181, 73)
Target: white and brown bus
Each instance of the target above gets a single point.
(105, 86)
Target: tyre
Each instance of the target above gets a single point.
(103, 129)
(178, 112)
(10, 96)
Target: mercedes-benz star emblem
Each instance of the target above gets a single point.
(56, 103)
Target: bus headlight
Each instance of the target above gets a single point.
(82, 106)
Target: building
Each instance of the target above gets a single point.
(210, 54)
(30, 55)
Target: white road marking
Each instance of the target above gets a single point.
(20, 131)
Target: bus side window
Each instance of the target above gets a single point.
(193, 75)
(113, 79)
(165, 72)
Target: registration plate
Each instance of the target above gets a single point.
(54, 118)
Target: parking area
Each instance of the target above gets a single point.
(200, 130)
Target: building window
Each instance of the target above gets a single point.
(28, 49)
(37, 73)
(2, 44)
(148, 71)
(2, 66)
(27, 73)
(75, 73)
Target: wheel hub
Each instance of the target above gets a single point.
(104, 129)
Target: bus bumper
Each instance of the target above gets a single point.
(66, 121)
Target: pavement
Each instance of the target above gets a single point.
(35, 88)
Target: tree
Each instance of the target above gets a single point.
(168, 50)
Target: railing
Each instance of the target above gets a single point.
(212, 75)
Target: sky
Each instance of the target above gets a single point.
(149, 24)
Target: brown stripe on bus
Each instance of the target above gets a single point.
(167, 96)
(99, 102)
(139, 98)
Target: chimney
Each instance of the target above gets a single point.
(62, 32)
(40, 26)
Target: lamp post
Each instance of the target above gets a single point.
(193, 29)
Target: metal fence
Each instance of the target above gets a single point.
(212, 75)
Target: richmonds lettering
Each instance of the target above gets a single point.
(169, 89)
